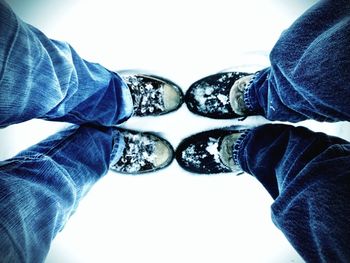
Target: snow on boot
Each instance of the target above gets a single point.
(143, 152)
(152, 95)
(210, 96)
(209, 152)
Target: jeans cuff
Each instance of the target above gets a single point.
(249, 96)
(118, 146)
(127, 106)
(238, 146)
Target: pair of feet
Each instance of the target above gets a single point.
(219, 96)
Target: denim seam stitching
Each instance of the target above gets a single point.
(61, 143)
(17, 161)
(116, 145)
(247, 93)
(238, 146)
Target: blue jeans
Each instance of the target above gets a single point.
(309, 74)
(305, 172)
(41, 187)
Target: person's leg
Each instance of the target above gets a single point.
(310, 69)
(308, 175)
(308, 78)
(44, 78)
(41, 187)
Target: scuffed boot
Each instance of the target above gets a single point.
(211, 96)
(210, 152)
(152, 95)
(237, 95)
(143, 152)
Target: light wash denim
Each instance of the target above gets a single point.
(46, 79)
(41, 187)
(307, 173)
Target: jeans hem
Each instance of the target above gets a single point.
(238, 145)
(127, 103)
(118, 146)
(248, 96)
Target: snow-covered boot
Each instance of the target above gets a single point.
(210, 152)
(152, 95)
(143, 152)
(211, 96)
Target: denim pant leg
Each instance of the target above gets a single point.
(44, 78)
(310, 69)
(41, 187)
(308, 176)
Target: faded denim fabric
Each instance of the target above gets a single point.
(44, 78)
(41, 187)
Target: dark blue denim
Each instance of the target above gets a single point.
(309, 76)
(307, 173)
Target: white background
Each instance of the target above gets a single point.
(169, 216)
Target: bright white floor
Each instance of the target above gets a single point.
(169, 216)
